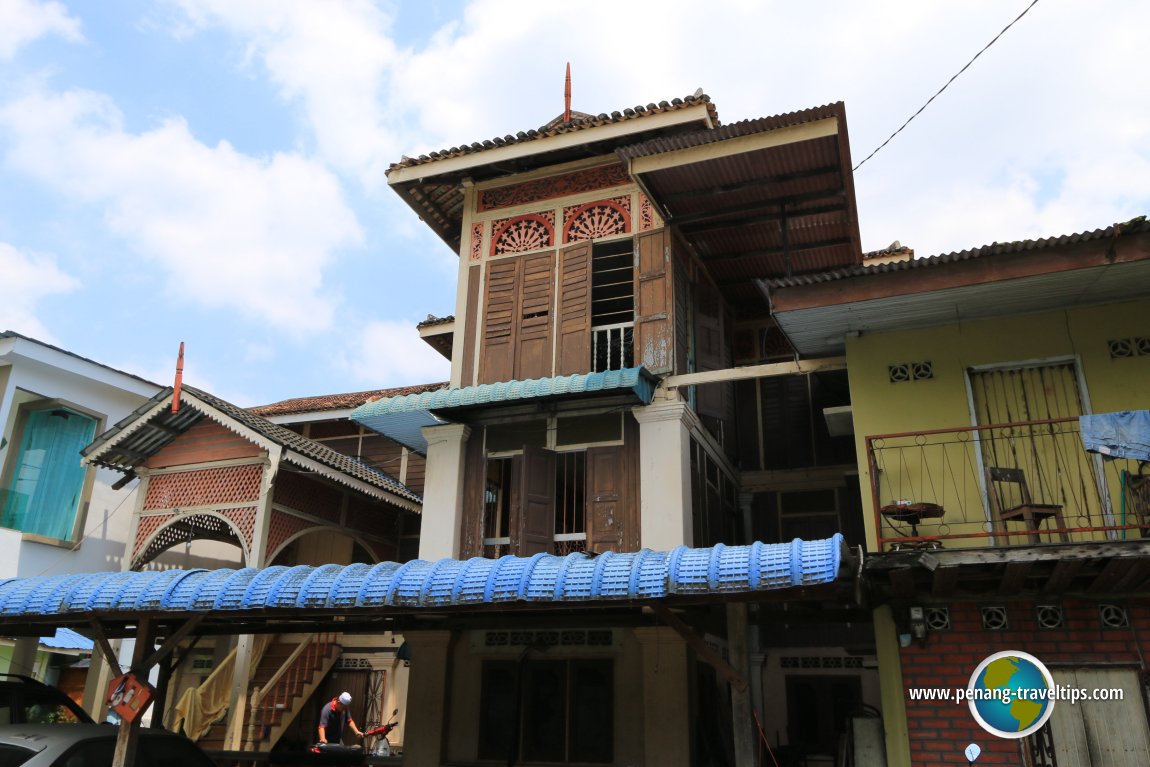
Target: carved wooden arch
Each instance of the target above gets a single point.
(598, 219)
(174, 529)
(531, 231)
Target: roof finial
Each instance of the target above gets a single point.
(567, 95)
(179, 380)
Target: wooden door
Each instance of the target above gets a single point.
(536, 501)
(574, 321)
(654, 331)
(1056, 467)
(1101, 733)
(606, 467)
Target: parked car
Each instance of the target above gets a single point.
(24, 700)
(92, 745)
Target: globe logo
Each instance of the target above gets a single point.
(1011, 694)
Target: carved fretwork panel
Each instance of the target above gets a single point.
(576, 182)
(522, 233)
(597, 220)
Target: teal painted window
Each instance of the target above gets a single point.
(48, 477)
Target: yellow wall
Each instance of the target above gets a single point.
(881, 407)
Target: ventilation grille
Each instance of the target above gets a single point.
(910, 371)
(1113, 616)
(994, 618)
(1121, 348)
(820, 661)
(540, 639)
(1049, 616)
(937, 618)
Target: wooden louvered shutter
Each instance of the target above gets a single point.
(574, 355)
(536, 320)
(606, 467)
(500, 320)
(537, 501)
(654, 331)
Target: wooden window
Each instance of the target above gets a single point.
(574, 352)
(654, 333)
(497, 492)
(533, 356)
(500, 320)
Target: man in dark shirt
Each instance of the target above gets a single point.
(334, 718)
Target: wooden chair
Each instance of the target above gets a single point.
(1138, 501)
(1010, 501)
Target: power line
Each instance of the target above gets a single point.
(948, 82)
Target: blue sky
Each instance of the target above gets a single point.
(213, 171)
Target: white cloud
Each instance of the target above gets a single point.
(391, 353)
(28, 278)
(24, 21)
(253, 235)
(333, 57)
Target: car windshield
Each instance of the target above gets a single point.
(14, 756)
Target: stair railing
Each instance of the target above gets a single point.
(279, 690)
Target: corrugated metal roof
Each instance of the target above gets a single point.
(67, 639)
(732, 130)
(1133, 226)
(543, 578)
(402, 418)
(150, 428)
(637, 380)
(339, 401)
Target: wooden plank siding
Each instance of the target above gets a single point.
(574, 320)
(654, 298)
(204, 442)
(470, 322)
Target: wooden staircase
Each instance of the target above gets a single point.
(286, 677)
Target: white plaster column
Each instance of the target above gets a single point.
(665, 511)
(443, 491)
(666, 690)
(426, 698)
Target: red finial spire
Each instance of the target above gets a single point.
(567, 95)
(179, 380)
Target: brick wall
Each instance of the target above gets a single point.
(939, 731)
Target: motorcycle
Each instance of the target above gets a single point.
(383, 746)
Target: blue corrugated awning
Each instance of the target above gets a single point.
(67, 639)
(401, 418)
(543, 578)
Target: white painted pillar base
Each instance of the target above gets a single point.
(666, 719)
(665, 510)
(443, 495)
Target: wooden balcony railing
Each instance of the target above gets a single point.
(612, 347)
(1003, 484)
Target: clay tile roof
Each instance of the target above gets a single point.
(579, 121)
(432, 321)
(346, 401)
